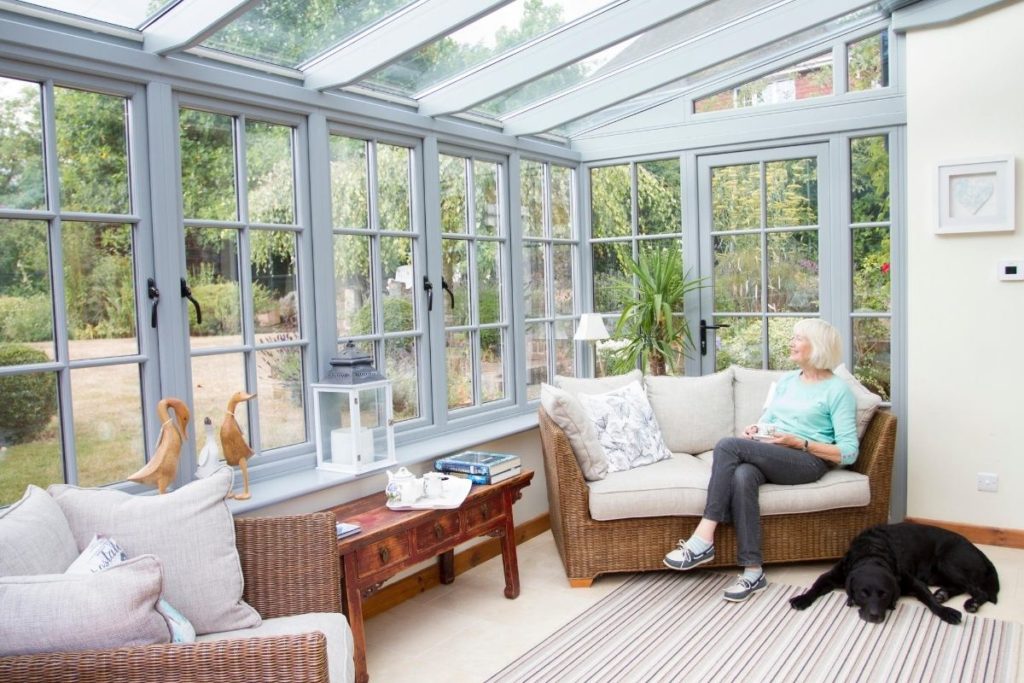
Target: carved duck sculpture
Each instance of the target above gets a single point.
(233, 444)
(163, 466)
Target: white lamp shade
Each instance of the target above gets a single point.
(591, 328)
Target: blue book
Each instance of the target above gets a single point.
(486, 478)
(478, 462)
(347, 529)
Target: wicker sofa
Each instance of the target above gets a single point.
(590, 547)
(290, 566)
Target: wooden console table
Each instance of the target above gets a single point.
(394, 540)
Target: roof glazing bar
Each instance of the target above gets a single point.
(190, 22)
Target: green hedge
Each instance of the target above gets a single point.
(29, 400)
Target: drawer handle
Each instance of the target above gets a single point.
(486, 509)
(438, 531)
(385, 555)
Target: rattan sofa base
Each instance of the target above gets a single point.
(590, 547)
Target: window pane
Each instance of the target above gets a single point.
(610, 201)
(92, 151)
(455, 266)
(536, 358)
(565, 348)
(492, 371)
(353, 297)
(393, 200)
(780, 332)
(279, 385)
(869, 177)
(561, 202)
(736, 197)
(211, 259)
(274, 284)
(99, 290)
(872, 362)
(531, 181)
(485, 185)
(214, 379)
(738, 344)
(612, 283)
(399, 309)
(453, 195)
(30, 450)
(349, 183)
(561, 257)
(871, 270)
(488, 274)
(793, 271)
(810, 78)
(737, 274)
(658, 197)
(26, 300)
(400, 368)
(208, 165)
(107, 405)
(460, 370)
(534, 280)
(21, 147)
(269, 160)
(867, 63)
(791, 189)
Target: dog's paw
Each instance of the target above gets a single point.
(950, 615)
(802, 601)
(972, 605)
(941, 595)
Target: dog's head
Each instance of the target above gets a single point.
(874, 590)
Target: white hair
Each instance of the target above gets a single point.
(826, 344)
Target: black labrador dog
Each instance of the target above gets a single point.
(890, 560)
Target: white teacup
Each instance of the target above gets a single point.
(433, 484)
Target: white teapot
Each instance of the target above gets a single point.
(403, 487)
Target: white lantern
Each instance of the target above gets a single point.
(352, 409)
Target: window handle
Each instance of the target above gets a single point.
(445, 287)
(186, 293)
(704, 327)
(429, 289)
(154, 295)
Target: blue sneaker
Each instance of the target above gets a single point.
(744, 588)
(682, 558)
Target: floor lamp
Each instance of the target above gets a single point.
(592, 329)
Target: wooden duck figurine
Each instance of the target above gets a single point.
(163, 466)
(232, 443)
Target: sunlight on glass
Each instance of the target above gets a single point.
(279, 386)
(26, 299)
(92, 151)
(30, 441)
(107, 407)
(208, 165)
(353, 297)
(211, 260)
(349, 183)
(271, 170)
(21, 145)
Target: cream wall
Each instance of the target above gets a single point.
(965, 327)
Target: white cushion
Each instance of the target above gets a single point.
(67, 612)
(597, 385)
(867, 402)
(35, 537)
(693, 412)
(566, 412)
(675, 486)
(191, 530)
(332, 624)
(626, 427)
(750, 390)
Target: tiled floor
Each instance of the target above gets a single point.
(466, 631)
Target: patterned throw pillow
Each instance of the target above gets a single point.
(626, 427)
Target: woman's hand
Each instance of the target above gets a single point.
(788, 440)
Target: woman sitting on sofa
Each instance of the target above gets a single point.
(811, 418)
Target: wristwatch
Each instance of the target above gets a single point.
(806, 444)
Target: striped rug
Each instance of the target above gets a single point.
(666, 626)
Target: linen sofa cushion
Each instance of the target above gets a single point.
(35, 537)
(332, 624)
(750, 390)
(567, 412)
(191, 530)
(694, 412)
(626, 427)
(674, 486)
(67, 612)
(597, 385)
(867, 401)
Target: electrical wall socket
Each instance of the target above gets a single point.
(987, 481)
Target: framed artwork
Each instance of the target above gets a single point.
(976, 195)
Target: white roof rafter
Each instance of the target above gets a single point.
(390, 38)
(552, 51)
(190, 22)
(676, 62)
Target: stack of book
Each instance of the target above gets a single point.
(480, 467)
(347, 529)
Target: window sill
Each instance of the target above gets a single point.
(285, 487)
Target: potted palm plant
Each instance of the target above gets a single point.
(652, 334)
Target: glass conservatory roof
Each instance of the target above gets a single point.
(528, 67)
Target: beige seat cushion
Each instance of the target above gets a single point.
(693, 412)
(35, 537)
(676, 486)
(332, 624)
(750, 390)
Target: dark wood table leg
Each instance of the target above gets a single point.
(509, 560)
(354, 609)
(446, 566)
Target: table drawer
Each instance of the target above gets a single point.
(433, 534)
(381, 555)
(483, 512)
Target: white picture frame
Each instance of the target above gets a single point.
(976, 195)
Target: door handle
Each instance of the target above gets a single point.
(429, 289)
(154, 295)
(451, 294)
(704, 327)
(186, 293)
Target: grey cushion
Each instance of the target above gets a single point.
(867, 401)
(693, 412)
(191, 530)
(750, 390)
(597, 385)
(66, 612)
(566, 412)
(35, 537)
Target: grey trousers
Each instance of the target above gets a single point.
(739, 468)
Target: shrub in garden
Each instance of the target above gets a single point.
(29, 400)
(26, 319)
